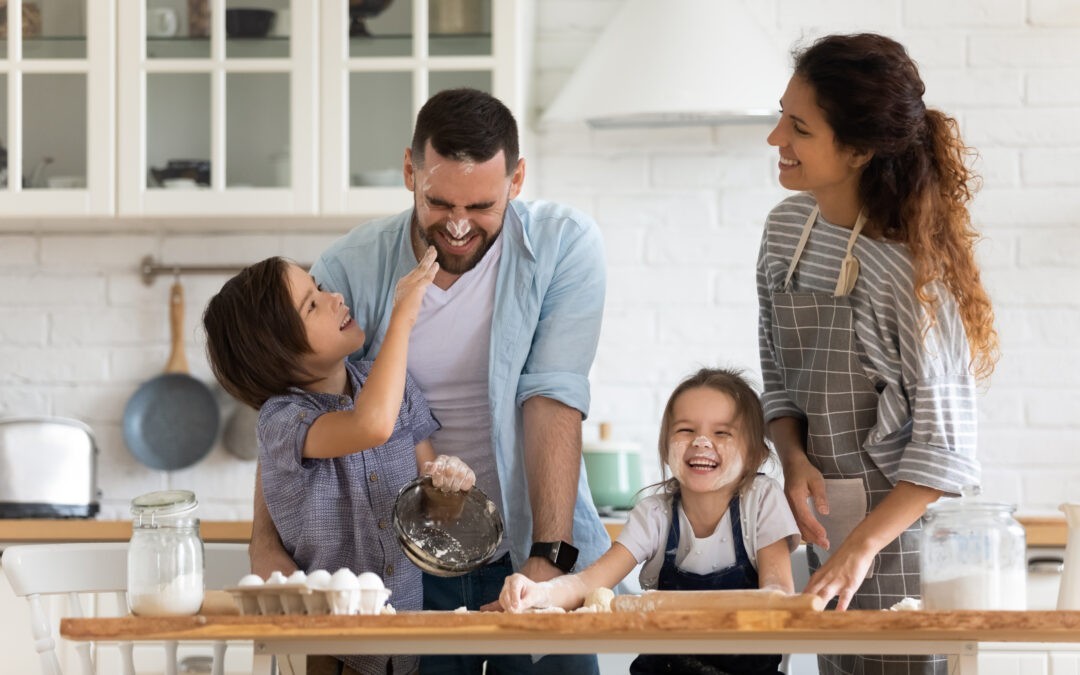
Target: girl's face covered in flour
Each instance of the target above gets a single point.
(705, 450)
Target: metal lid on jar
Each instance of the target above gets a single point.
(167, 503)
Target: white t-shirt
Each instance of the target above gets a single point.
(766, 519)
(448, 356)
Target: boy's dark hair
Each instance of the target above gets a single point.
(466, 124)
(749, 415)
(254, 335)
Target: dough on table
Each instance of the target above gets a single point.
(599, 599)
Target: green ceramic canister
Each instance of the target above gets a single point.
(613, 469)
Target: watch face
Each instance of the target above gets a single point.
(560, 553)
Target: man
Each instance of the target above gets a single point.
(501, 349)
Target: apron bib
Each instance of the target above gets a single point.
(817, 353)
(739, 575)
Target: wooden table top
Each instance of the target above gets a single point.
(982, 626)
(1041, 531)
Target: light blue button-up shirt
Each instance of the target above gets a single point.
(549, 300)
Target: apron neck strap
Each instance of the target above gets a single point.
(849, 269)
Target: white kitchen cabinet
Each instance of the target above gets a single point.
(240, 111)
(57, 129)
(308, 123)
(373, 86)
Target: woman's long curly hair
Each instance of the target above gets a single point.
(917, 185)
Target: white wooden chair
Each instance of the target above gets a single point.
(100, 568)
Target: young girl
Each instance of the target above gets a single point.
(874, 322)
(715, 524)
(337, 440)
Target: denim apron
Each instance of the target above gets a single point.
(817, 352)
(740, 575)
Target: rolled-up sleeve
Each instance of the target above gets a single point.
(568, 328)
(941, 394)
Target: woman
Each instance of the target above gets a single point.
(874, 322)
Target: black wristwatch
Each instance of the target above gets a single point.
(559, 553)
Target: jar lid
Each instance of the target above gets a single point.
(164, 503)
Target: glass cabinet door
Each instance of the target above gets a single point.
(222, 94)
(56, 128)
(381, 61)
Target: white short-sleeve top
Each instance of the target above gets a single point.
(766, 519)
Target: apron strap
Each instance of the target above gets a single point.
(849, 268)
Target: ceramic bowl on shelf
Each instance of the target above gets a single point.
(248, 22)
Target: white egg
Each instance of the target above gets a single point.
(251, 580)
(343, 580)
(297, 577)
(370, 580)
(276, 577)
(318, 579)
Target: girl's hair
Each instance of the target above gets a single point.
(916, 186)
(254, 335)
(748, 416)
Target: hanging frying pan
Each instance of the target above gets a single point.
(239, 433)
(171, 421)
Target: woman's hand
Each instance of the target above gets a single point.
(802, 483)
(450, 474)
(410, 289)
(842, 574)
(520, 593)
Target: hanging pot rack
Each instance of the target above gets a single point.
(150, 269)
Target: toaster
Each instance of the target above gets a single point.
(48, 468)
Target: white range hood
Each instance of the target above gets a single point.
(676, 63)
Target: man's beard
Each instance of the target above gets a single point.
(450, 263)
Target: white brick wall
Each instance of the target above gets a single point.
(681, 212)
(1005, 68)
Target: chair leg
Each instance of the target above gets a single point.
(127, 657)
(170, 657)
(218, 667)
(43, 639)
(83, 648)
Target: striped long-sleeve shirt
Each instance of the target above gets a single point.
(926, 424)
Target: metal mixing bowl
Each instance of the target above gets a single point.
(446, 533)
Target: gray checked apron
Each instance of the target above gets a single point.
(818, 353)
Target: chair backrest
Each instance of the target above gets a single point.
(94, 567)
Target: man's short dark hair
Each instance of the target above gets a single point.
(466, 124)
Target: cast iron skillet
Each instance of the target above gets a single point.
(171, 421)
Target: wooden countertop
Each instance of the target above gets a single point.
(16, 531)
(1041, 531)
(623, 627)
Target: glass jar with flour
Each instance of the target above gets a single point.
(973, 556)
(165, 556)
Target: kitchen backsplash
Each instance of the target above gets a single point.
(681, 211)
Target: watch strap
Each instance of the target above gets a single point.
(560, 553)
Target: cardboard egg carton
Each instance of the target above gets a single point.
(299, 598)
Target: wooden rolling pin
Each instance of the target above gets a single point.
(712, 600)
